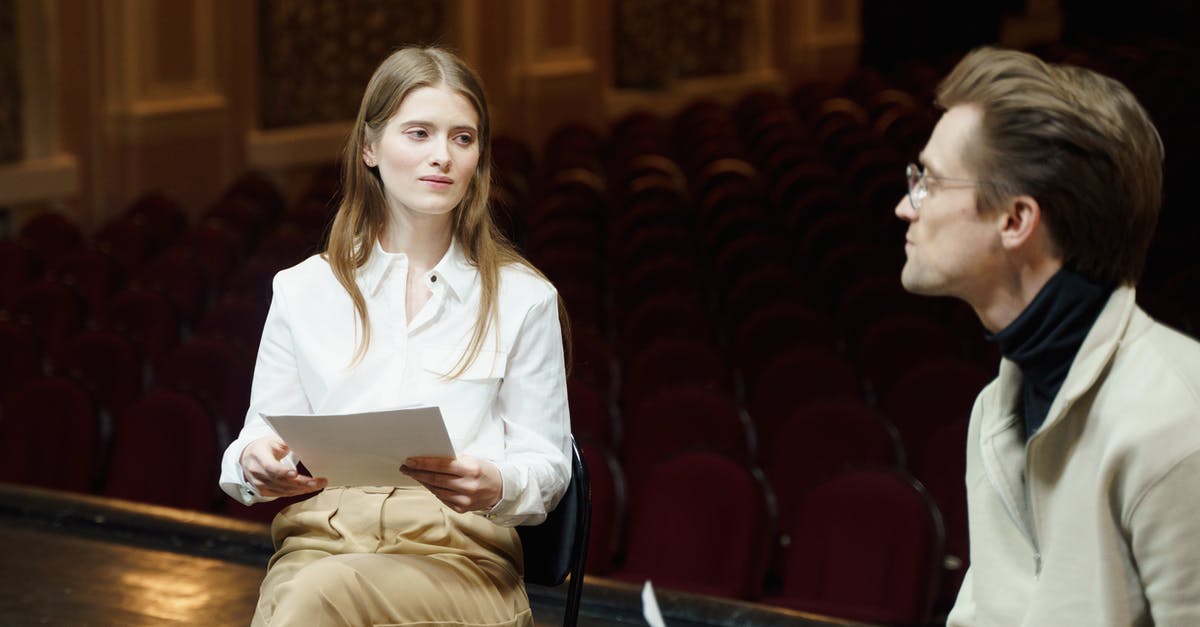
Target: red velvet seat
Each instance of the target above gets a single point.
(257, 188)
(146, 317)
(162, 217)
(795, 378)
(217, 247)
(591, 417)
(20, 356)
(243, 216)
(774, 329)
(673, 361)
(821, 439)
(681, 418)
(607, 482)
(592, 356)
(658, 276)
(215, 373)
(50, 235)
(92, 273)
(940, 463)
(50, 435)
(239, 322)
(866, 545)
(54, 312)
(128, 242)
(18, 266)
(182, 278)
(661, 317)
(164, 451)
(931, 394)
(106, 363)
(892, 345)
(252, 281)
(701, 524)
(286, 245)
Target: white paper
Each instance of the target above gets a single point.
(650, 609)
(364, 449)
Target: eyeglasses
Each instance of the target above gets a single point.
(917, 186)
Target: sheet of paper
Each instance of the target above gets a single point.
(366, 448)
(650, 610)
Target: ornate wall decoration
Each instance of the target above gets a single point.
(10, 85)
(656, 41)
(316, 56)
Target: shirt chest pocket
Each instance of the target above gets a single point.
(466, 401)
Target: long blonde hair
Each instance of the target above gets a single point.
(363, 214)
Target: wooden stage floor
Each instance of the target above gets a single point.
(80, 560)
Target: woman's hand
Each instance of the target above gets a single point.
(271, 477)
(464, 484)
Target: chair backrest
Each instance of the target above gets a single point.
(680, 539)
(50, 435)
(164, 429)
(681, 418)
(865, 545)
(106, 363)
(821, 439)
(558, 546)
(214, 372)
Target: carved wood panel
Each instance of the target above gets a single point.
(316, 56)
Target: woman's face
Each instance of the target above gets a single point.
(427, 152)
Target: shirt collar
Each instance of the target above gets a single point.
(454, 268)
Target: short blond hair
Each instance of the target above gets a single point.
(1077, 141)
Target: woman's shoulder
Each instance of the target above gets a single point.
(313, 271)
(520, 282)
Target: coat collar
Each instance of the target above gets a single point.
(1093, 357)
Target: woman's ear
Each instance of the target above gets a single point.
(368, 155)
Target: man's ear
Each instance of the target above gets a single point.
(1020, 221)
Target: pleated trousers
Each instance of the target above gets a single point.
(390, 556)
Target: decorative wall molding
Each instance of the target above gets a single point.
(12, 105)
(41, 174)
(316, 56)
(297, 146)
(143, 102)
(39, 180)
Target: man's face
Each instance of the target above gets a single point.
(952, 249)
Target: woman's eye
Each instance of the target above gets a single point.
(464, 139)
(417, 133)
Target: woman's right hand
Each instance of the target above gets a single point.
(270, 477)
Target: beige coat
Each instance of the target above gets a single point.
(1097, 520)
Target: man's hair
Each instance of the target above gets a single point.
(1076, 141)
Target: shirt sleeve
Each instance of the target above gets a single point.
(1165, 527)
(276, 387)
(532, 402)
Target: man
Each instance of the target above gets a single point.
(1035, 203)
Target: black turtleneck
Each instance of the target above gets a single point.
(1044, 339)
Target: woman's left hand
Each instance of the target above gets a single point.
(464, 484)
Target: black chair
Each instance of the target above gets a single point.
(558, 546)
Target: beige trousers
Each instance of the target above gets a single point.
(390, 556)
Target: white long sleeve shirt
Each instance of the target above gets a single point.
(509, 407)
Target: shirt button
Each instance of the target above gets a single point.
(433, 279)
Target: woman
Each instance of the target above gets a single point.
(417, 299)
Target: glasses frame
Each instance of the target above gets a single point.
(918, 190)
